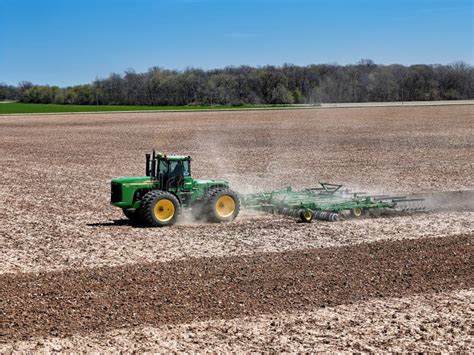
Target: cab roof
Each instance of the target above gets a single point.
(173, 157)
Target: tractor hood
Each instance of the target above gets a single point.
(133, 180)
(210, 182)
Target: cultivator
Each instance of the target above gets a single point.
(329, 202)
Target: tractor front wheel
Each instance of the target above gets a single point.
(223, 205)
(160, 208)
(132, 214)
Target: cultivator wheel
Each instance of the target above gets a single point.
(356, 212)
(159, 208)
(306, 216)
(221, 205)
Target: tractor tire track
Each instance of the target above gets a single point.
(93, 300)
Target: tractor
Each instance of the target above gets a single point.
(158, 198)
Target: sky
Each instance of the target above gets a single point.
(68, 42)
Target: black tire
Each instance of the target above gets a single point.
(159, 208)
(221, 205)
(132, 214)
(199, 209)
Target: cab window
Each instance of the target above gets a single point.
(163, 167)
(186, 171)
(179, 168)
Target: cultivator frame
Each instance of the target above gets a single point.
(328, 202)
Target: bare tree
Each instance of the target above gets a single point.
(364, 81)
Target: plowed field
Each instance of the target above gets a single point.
(75, 275)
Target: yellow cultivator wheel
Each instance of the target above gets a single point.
(306, 216)
(356, 212)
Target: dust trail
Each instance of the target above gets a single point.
(461, 200)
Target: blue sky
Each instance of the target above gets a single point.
(65, 42)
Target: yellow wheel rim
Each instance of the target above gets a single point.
(164, 210)
(307, 215)
(225, 206)
(357, 211)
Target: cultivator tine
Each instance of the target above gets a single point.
(380, 197)
(411, 205)
(391, 198)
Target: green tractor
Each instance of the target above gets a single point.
(158, 198)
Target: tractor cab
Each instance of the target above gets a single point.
(172, 172)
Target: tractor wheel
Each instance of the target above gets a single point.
(132, 214)
(306, 216)
(159, 208)
(223, 205)
(198, 211)
(356, 212)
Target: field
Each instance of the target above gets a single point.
(15, 108)
(76, 276)
(21, 108)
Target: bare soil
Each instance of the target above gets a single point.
(57, 228)
(68, 302)
(48, 245)
(55, 211)
(426, 322)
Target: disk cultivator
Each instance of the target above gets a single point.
(328, 202)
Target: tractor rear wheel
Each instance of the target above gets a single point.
(222, 205)
(160, 208)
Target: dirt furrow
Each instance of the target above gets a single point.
(83, 301)
(426, 322)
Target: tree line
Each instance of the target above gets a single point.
(288, 84)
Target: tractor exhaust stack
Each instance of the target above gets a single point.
(153, 164)
(147, 169)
